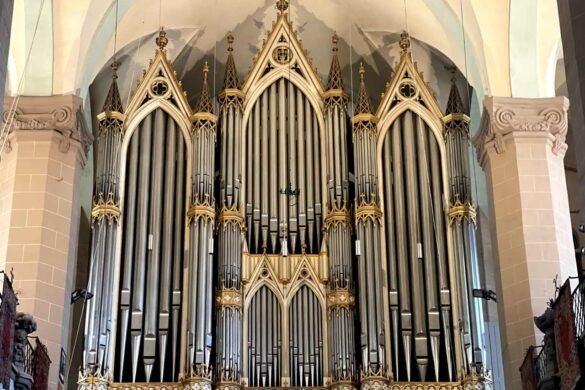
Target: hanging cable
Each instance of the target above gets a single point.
(14, 105)
(467, 92)
(351, 70)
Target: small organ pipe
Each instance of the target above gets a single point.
(104, 224)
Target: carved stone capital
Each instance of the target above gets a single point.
(59, 113)
(504, 118)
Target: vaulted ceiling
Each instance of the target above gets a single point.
(510, 48)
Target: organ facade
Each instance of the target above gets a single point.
(285, 236)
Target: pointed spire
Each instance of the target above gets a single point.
(404, 42)
(162, 40)
(282, 6)
(231, 80)
(455, 103)
(113, 101)
(204, 103)
(363, 104)
(335, 78)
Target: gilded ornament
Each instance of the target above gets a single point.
(337, 217)
(105, 209)
(93, 379)
(230, 217)
(340, 298)
(229, 298)
(461, 211)
(368, 210)
(204, 211)
(456, 117)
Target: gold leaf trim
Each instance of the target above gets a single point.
(456, 117)
(105, 209)
(230, 217)
(368, 210)
(340, 298)
(111, 114)
(462, 211)
(337, 217)
(229, 298)
(201, 210)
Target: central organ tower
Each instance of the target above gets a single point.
(285, 236)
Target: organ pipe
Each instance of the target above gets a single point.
(338, 227)
(230, 233)
(283, 195)
(201, 217)
(105, 222)
(367, 221)
(462, 218)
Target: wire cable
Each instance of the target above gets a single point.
(14, 105)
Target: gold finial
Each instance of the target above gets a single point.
(162, 39)
(230, 40)
(362, 72)
(282, 6)
(404, 41)
(205, 71)
(114, 67)
(452, 69)
(335, 40)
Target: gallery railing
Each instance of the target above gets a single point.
(546, 370)
(23, 360)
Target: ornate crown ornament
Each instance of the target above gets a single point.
(204, 211)
(368, 210)
(337, 216)
(105, 209)
(460, 211)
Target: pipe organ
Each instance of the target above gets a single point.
(283, 242)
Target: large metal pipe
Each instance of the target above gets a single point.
(178, 247)
(154, 242)
(141, 242)
(272, 165)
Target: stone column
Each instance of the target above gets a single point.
(521, 146)
(39, 212)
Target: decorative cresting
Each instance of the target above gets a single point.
(148, 275)
(462, 218)
(504, 117)
(230, 224)
(338, 230)
(373, 371)
(105, 222)
(201, 219)
(415, 230)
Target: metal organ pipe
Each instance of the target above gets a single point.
(105, 220)
(230, 225)
(284, 200)
(368, 220)
(462, 218)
